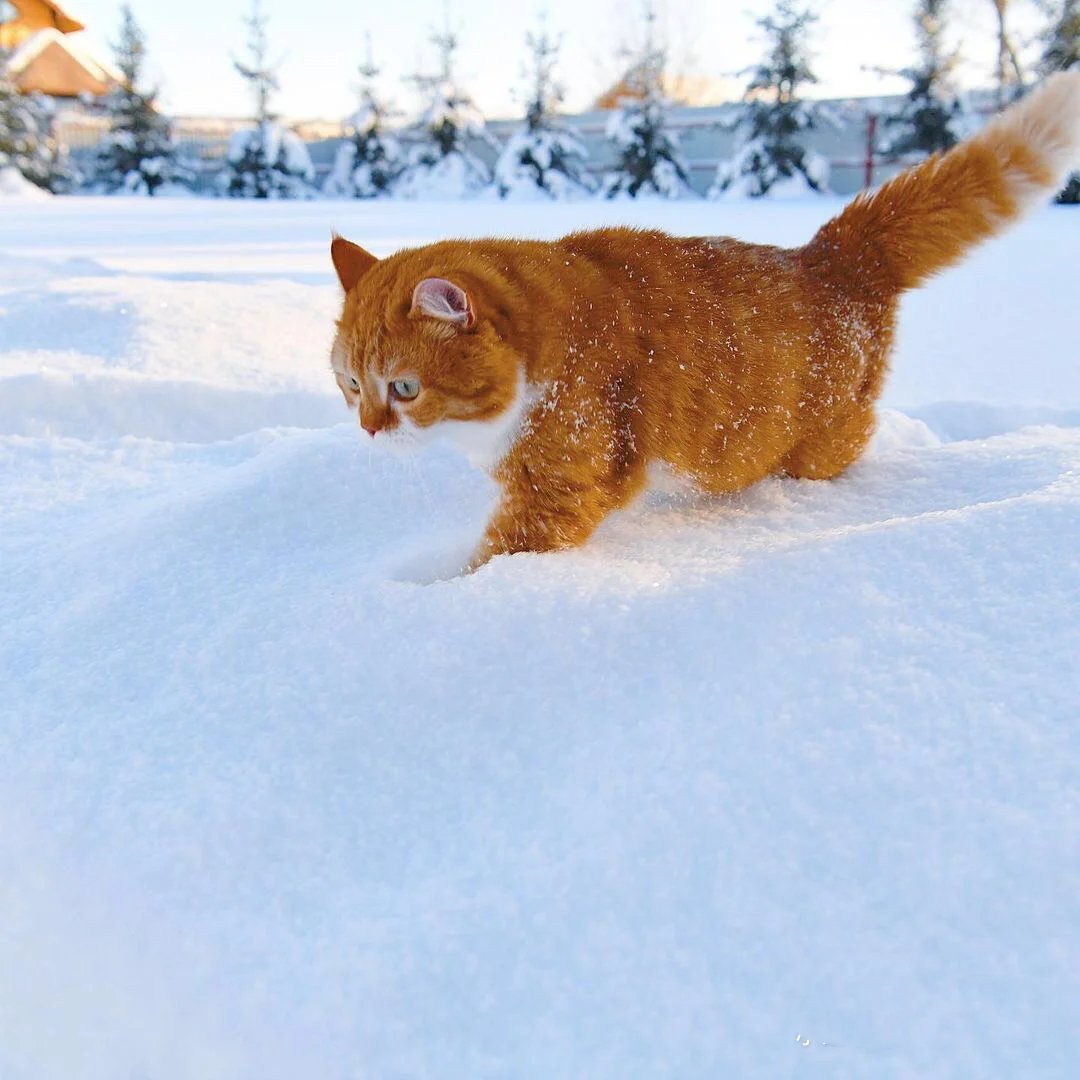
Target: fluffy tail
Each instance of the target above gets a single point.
(928, 217)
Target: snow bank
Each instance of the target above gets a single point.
(13, 185)
(779, 784)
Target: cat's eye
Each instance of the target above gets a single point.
(405, 389)
(354, 384)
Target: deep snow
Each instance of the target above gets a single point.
(776, 785)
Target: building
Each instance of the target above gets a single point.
(47, 52)
(21, 19)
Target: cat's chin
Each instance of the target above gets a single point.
(396, 443)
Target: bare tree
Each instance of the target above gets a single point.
(1009, 74)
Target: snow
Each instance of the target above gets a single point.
(439, 164)
(639, 131)
(268, 159)
(13, 185)
(455, 175)
(782, 784)
(545, 163)
(365, 178)
(76, 44)
(753, 172)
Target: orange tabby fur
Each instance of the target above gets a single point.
(726, 361)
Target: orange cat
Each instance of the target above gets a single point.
(565, 368)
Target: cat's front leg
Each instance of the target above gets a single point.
(549, 506)
(520, 525)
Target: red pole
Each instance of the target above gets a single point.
(871, 132)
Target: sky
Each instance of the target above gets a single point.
(321, 42)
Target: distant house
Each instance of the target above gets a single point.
(678, 88)
(47, 51)
(20, 19)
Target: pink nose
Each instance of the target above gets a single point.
(370, 431)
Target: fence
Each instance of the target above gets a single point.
(705, 133)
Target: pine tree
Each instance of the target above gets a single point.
(925, 123)
(650, 160)
(543, 157)
(1061, 39)
(138, 155)
(1061, 50)
(26, 140)
(267, 161)
(774, 116)
(439, 163)
(370, 159)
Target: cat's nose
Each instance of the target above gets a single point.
(370, 431)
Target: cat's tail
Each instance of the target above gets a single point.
(928, 217)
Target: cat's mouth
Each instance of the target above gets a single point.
(400, 439)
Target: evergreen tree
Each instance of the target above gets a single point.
(26, 140)
(370, 160)
(925, 123)
(543, 157)
(267, 161)
(138, 155)
(1061, 50)
(439, 163)
(650, 160)
(1061, 39)
(774, 115)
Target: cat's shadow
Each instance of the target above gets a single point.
(431, 565)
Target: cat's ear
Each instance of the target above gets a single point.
(442, 299)
(350, 260)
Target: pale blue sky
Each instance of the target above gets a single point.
(321, 42)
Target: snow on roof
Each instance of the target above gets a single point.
(72, 44)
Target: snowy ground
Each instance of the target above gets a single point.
(776, 785)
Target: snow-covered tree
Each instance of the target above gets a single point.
(650, 161)
(1061, 38)
(1061, 50)
(926, 121)
(26, 140)
(543, 158)
(267, 161)
(138, 155)
(439, 163)
(771, 156)
(370, 159)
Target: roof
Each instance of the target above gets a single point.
(59, 65)
(63, 20)
(66, 23)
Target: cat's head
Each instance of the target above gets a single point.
(421, 347)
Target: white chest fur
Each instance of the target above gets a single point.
(486, 442)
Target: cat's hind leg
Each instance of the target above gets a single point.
(829, 451)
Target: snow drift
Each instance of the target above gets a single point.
(779, 784)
